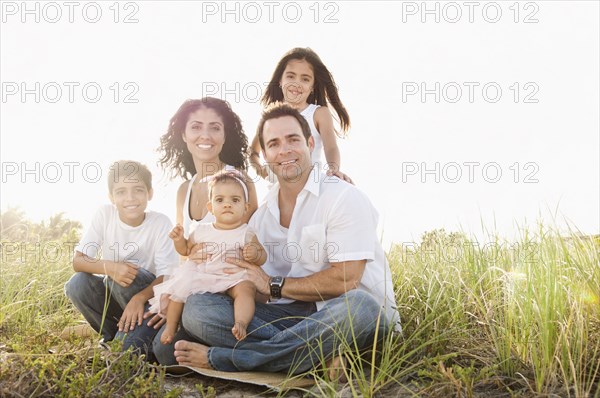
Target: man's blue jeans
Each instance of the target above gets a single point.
(290, 337)
(88, 292)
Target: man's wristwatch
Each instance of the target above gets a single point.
(276, 283)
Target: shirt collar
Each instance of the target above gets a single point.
(313, 185)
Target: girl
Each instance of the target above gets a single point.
(228, 235)
(302, 81)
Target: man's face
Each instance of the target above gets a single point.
(286, 151)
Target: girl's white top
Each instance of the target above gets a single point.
(309, 114)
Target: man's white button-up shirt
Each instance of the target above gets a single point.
(333, 221)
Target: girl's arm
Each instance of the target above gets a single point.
(255, 158)
(324, 124)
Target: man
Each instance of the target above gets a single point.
(326, 275)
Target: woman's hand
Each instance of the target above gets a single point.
(156, 321)
(200, 253)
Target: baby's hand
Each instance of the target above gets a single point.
(250, 252)
(177, 233)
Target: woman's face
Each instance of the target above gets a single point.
(205, 134)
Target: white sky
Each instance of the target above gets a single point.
(377, 51)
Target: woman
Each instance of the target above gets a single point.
(204, 137)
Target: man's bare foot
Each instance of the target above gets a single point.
(336, 369)
(239, 330)
(191, 354)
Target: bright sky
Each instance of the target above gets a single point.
(469, 116)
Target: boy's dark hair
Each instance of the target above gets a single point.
(277, 110)
(130, 171)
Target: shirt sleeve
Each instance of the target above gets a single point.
(166, 258)
(93, 238)
(351, 228)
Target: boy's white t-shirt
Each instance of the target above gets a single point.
(147, 245)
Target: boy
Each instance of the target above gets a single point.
(112, 291)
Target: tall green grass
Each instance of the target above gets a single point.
(479, 319)
(524, 315)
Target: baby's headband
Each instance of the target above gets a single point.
(233, 174)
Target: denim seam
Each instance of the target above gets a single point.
(210, 362)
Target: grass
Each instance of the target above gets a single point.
(499, 319)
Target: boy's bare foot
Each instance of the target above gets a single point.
(336, 369)
(191, 354)
(239, 330)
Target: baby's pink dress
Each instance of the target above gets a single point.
(191, 278)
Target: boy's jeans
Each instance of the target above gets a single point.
(88, 293)
(289, 337)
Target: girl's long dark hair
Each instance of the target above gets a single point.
(324, 91)
(174, 153)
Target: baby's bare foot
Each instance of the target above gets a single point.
(166, 338)
(168, 334)
(239, 330)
